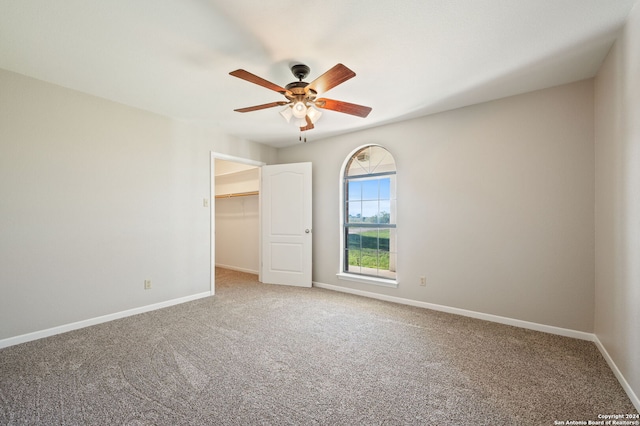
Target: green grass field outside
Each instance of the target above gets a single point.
(371, 258)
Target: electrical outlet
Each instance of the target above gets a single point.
(147, 284)
(423, 281)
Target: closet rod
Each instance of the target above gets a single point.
(239, 194)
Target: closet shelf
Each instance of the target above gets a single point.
(238, 194)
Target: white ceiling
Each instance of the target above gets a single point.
(411, 57)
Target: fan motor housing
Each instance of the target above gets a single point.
(299, 92)
(296, 86)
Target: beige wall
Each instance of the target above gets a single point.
(96, 197)
(617, 223)
(495, 206)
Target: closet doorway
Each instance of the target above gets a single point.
(235, 214)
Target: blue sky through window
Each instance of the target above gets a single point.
(368, 197)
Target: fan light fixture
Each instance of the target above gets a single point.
(287, 114)
(299, 109)
(313, 114)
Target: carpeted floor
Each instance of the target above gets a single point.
(275, 355)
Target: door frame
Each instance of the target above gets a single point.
(212, 209)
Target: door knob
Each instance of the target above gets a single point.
(306, 231)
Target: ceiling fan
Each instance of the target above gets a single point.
(301, 96)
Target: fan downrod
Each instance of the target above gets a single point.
(300, 71)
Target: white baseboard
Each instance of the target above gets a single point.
(616, 371)
(11, 341)
(473, 314)
(236, 268)
(502, 320)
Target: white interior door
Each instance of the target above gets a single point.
(285, 211)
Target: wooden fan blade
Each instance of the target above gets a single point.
(330, 79)
(309, 125)
(252, 78)
(263, 106)
(345, 107)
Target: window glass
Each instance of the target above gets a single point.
(355, 190)
(369, 214)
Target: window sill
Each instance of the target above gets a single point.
(368, 280)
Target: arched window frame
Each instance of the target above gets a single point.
(346, 273)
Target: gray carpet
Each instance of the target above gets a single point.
(274, 355)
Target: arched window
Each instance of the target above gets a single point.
(369, 215)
